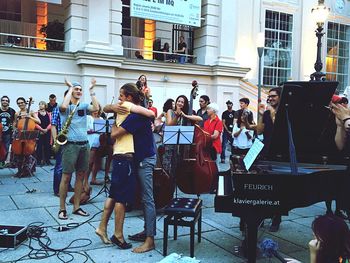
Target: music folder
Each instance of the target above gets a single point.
(178, 135)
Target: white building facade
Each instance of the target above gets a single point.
(100, 39)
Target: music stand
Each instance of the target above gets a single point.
(178, 135)
(102, 126)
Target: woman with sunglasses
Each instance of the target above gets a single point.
(25, 163)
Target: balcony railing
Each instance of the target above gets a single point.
(133, 44)
(22, 34)
(14, 40)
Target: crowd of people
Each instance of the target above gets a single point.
(67, 131)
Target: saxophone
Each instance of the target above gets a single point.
(61, 138)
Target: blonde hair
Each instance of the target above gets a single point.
(44, 103)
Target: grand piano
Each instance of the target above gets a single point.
(304, 131)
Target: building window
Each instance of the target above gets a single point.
(337, 60)
(278, 48)
(10, 10)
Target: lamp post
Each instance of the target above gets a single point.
(260, 46)
(320, 14)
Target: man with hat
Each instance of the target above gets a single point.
(227, 121)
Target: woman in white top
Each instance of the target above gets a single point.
(94, 142)
(242, 137)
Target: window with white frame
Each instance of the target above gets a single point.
(278, 48)
(337, 59)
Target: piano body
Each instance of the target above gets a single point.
(271, 186)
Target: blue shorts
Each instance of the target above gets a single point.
(123, 181)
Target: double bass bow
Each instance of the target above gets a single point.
(196, 173)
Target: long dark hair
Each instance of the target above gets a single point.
(130, 89)
(168, 105)
(333, 236)
(249, 117)
(186, 104)
(139, 79)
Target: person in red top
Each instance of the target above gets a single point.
(213, 125)
(150, 107)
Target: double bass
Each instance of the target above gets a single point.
(24, 142)
(196, 173)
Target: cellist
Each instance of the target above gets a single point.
(25, 163)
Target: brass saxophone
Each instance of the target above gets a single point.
(61, 138)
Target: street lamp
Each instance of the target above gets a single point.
(320, 14)
(260, 45)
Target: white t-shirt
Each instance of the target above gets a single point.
(241, 141)
(93, 138)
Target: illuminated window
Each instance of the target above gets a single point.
(278, 48)
(337, 60)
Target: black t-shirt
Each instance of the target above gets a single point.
(51, 107)
(7, 117)
(204, 117)
(228, 116)
(268, 129)
(180, 46)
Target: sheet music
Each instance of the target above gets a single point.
(253, 152)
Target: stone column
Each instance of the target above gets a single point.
(75, 25)
(227, 33)
(206, 37)
(98, 27)
(116, 26)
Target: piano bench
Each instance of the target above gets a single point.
(175, 212)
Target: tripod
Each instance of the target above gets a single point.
(104, 188)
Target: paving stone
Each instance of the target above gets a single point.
(40, 187)
(6, 204)
(113, 254)
(24, 217)
(35, 200)
(206, 251)
(23, 180)
(11, 189)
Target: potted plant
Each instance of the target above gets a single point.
(53, 30)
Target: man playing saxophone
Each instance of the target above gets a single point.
(75, 152)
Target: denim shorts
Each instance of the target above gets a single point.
(123, 181)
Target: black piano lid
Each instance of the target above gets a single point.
(310, 121)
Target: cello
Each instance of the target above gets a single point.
(196, 173)
(25, 138)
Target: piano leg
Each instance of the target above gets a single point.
(252, 236)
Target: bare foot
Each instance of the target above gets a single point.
(103, 236)
(145, 247)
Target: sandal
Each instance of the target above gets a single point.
(140, 237)
(80, 212)
(62, 214)
(121, 245)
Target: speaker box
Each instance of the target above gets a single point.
(12, 236)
